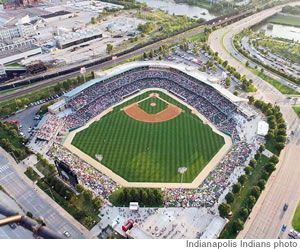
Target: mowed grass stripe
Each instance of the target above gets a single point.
(151, 152)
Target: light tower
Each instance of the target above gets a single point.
(181, 170)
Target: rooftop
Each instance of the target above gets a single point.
(15, 51)
(57, 13)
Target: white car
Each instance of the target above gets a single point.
(67, 234)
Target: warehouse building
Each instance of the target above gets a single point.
(78, 37)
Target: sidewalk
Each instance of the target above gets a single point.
(44, 196)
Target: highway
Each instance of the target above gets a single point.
(267, 217)
(120, 59)
(34, 200)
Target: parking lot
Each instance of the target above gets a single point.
(190, 59)
(28, 118)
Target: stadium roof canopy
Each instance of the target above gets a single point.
(194, 72)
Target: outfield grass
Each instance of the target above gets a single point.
(150, 152)
(296, 218)
(146, 105)
(297, 110)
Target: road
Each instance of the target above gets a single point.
(267, 217)
(34, 200)
(50, 82)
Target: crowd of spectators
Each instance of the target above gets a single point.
(100, 96)
(49, 128)
(216, 182)
(92, 179)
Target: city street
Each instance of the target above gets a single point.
(34, 200)
(266, 219)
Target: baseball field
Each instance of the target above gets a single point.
(147, 139)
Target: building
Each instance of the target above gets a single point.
(9, 32)
(12, 4)
(26, 30)
(19, 53)
(57, 16)
(3, 75)
(78, 37)
(14, 44)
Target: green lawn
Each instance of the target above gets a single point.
(296, 219)
(241, 198)
(147, 107)
(297, 110)
(278, 85)
(197, 38)
(285, 20)
(151, 152)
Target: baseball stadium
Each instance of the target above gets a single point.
(141, 123)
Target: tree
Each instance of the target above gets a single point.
(236, 93)
(236, 188)
(93, 20)
(274, 159)
(262, 70)
(228, 81)
(88, 221)
(244, 213)
(224, 209)
(255, 191)
(265, 175)
(151, 197)
(79, 188)
(151, 54)
(229, 198)
(242, 179)
(257, 155)
(88, 195)
(247, 64)
(261, 184)
(109, 48)
(270, 167)
(143, 196)
(29, 215)
(134, 195)
(252, 163)
(238, 225)
(214, 68)
(251, 100)
(196, 51)
(261, 148)
(251, 201)
(97, 202)
(248, 170)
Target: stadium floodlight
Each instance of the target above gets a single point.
(181, 170)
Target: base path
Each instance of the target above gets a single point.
(135, 112)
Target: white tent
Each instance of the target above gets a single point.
(262, 128)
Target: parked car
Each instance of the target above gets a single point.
(13, 225)
(67, 234)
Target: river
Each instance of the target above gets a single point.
(281, 31)
(178, 9)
